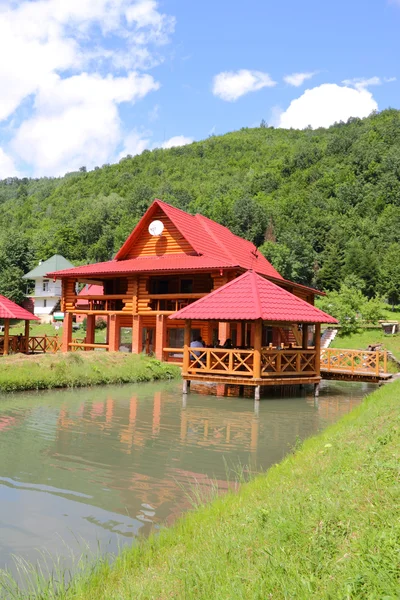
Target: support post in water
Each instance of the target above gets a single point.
(316, 390)
(257, 390)
(186, 386)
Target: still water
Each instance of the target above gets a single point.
(108, 464)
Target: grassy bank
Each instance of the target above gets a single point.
(322, 524)
(77, 369)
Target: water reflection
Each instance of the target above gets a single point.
(109, 464)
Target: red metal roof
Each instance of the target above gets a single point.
(10, 310)
(93, 290)
(216, 248)
(251, 297)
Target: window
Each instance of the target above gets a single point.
(45, 285)
(159, 286)
(176, 337)
(186, 286)
(44, 303)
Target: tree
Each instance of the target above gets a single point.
(389, 274)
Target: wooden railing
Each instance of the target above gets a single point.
(274, 363)
(36, 344)
(353, 361)
(109, 302)
(170, 303)
(278, 363)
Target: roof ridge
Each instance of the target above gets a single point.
(256, 293)
(203, 221)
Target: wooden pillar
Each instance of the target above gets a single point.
(26, 337)
(239, 334)
(186, 346)
(224, 332)
(90, 330)
(257, 349)
(161, 336)
(67, 332)
(6, 336)
(304, 344)
(113, 334)
(137, 328)
(318, 348)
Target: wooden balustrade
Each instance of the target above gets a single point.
(353, 361)
(36, 344)
(274, 363)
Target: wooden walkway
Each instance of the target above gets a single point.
(354, 365)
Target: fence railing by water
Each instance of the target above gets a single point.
(353, 361)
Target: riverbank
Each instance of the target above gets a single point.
(77, 369)
(321, 524)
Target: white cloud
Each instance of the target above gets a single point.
(134, 144)
(53, 53)
(231, 85)
(361, 83)
(7, 166)
(177, 140)
(76, 121)
(326, 104)
(297, 79)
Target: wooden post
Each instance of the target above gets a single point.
(318, 348)
(239, 334)
(161, 336)
(90, 330)
(113, 334)
(186, 346)
(224, 332)
(67, 332)
(137, 329)
(257, 390)
(26, 337)
(6, 336)
(305, 337)
(257, 349)
(385, 362)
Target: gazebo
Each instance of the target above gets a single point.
(9, 310)
(259, 305)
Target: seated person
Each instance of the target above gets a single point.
(228, 343)
(197, 343)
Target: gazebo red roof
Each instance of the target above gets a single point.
(251, 297)
(10, 310)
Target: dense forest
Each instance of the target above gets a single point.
(321, 204)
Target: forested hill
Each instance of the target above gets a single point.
(321, 204)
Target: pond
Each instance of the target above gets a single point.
(101, 466)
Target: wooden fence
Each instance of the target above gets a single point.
(353, 361)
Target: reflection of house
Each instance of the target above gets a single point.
(170, 260)
(47, 293)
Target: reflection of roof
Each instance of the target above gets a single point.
(214, 247)
(10, 310)
(251, 297)
(55, 263)
(89, 290)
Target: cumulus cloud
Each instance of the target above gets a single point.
(134, 143)
(177, 140)
(58, 54)
(7, 166)
(231, 85)
(76, 121)
(326, 104)
(297, 79)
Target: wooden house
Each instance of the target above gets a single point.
(171, 260)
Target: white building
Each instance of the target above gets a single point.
(47, 293)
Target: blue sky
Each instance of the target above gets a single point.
(84, 82)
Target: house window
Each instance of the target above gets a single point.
(44, 303)
(176, 337)
(159, 286)
(45, 285)
(186, 286)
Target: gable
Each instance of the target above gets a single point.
(170, 242)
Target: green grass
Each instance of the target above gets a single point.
(77, 369)
(323, 524)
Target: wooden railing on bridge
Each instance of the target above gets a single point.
(353, 361)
